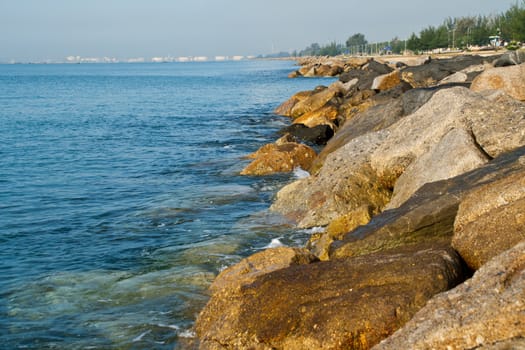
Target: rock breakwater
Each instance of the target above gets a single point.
(420, 187)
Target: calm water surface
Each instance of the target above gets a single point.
(120, 198)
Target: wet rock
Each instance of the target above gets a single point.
(282, 156)
(490, 220)
(342, 304)
(428, 216)
(319, 243)
(455, 154)
(258, 264)
(509, 79)
(319, 134)
(485, 312)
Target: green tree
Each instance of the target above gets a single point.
(514, 22)
(356, 40)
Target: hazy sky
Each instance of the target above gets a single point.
(47, 29)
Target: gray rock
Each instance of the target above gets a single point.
(484, 312)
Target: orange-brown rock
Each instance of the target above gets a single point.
(280, 157)
(285, 109)
(387, 81)
(322, 116)
(313, 102)
(510, 79)
(342, 304)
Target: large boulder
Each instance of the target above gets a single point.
(510, 79)
(285, 109)
(326, 115)
(342, 304)
(429, 215)
(486, 312)
(386, 81)
(282, 156)
(315, 101)
(490, 220)
(364, 170)
(455, 154)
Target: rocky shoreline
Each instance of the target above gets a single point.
(420, 190)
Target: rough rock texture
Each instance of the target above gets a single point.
(261, 263)
(455, 154)
(342, 304)
(282, 156)
(344, 183)
(510, 79)
(490, 220)
(386, 81)
(363, 171)
(428, 216)
(484, 312)
(285, 108)
(324, 115)
(313, 102)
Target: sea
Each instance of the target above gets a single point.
(121, 199)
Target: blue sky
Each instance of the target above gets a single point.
(53, 29)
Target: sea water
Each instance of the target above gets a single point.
(121, 199)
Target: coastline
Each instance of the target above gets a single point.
(406, 190)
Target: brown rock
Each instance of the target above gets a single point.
(387, 81)
(428, 216)
(343, 304)
(510, 79)
(282, 156)
(313, 102)
(285, 108)
(481, 313)
(322, 116)
(261, 263)
(490, 220)
(319, 244)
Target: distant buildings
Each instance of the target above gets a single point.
(158, 59)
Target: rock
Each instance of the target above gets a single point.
(328, 70)
(282, 156)
(386, 81)
(319, 134)
(344, 183)
(364, 78)
(377, 67)
(319, 244)
(342, 304)
(485, 312)
(315, 101)
(509, 79)
(510, 58)
(285, 108)
(326, 115)
(428, 216)
(458, 77)
(258, 264)
(455, 154)
(490, 220)
(430, 73)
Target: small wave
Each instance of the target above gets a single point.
(275, 243)
(316, 229)
(300, 173)
(188, 333)
(142, 335)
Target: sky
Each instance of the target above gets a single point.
(34, 30)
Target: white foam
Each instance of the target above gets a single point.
(142, 335)
(300, 173)
(274, 244)
(188, 333)
(316, 229)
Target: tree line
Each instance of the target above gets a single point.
(454, 33)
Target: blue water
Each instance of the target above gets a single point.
(120, 198)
